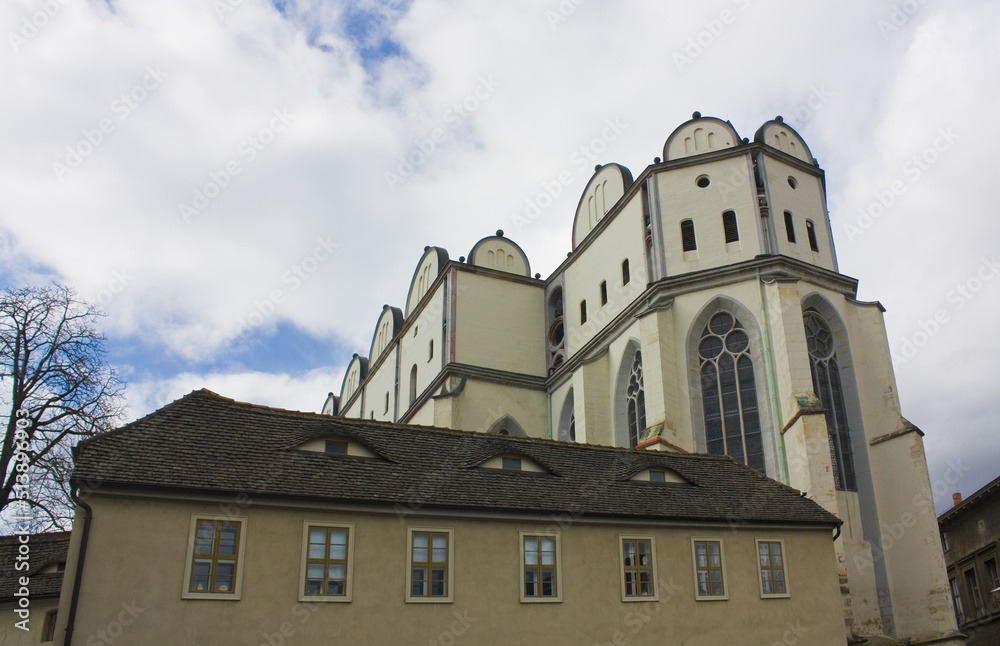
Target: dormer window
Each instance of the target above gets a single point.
(511, 464)
(336, 446)
(657, 475)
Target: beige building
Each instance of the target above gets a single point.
(700, 308)
(30, 582)
(217, 522)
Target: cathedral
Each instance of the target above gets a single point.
(700, 310)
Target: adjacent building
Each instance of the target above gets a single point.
(970, 533)
(700, 308)
(30, 581)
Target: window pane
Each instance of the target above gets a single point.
(314, 586)
(335, 587)
(714, 558)
(716, 576)
(440, 551)
(765, 560)
(227, 538)
(548, 551)
(701, 554)
(629, 549)
(776, 554)
(548, 583)
(531, 583)
(766, 581)
(317, 543)
(630, 584)
(438, 582)
(419, 581)
(531, 551)
(205, 542)
(420, 548)
(703, 583)
(779, 582)
(201, 576)
(224, 576)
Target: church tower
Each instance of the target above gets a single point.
(700, 309)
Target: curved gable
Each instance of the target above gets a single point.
(331, 406)
(431, 264)
(388, 325)
(357, 370)
(699, 135)
(778, 134)
(607, 185)
(500, 253)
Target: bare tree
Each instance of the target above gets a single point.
(55, 389)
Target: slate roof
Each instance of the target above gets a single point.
(206, 443)
(45, 549)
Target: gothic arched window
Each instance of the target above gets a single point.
(829, 388)
(635, 400)
(729, 394)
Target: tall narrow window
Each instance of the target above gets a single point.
(430, 350)
(828, 387)
(604, 292)
(625, 275)
(214, 557)
(789, 226)
(638, 579)
(811, 232)
(973, 586)
(729, 226)
(991, 572)
(688, 242)
(430, 570)
(957, 599)
(413, 384)
(635, 401)
(729, 392)
(583, 312)
(386, 402)
(327, 556)
(771, 562)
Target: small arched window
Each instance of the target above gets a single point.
(413, 384)
(688, 242)
(729, 394)
(583, 312)
(604, 292)
(811, 232)
(625, 275)
(789, 226)
(729, 226)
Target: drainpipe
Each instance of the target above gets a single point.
(88, 514)
(548, 397)
(782, 460)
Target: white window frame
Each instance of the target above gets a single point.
(557, 598)
(450, 597)
(621, 566)
(784, 568)
(349, 580)
(694, 566)
(240, 559)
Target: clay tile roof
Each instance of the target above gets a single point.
(44, 550)
(206, 443)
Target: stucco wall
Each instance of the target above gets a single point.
(137, 556)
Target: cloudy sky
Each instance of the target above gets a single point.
(228, 178)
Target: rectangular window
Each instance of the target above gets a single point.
(729, 227)
(688, 242)
(604, 292)
(540, 564)
(215, 550)
(583, 312)
(429, 570)
(333, 446)
(511, 464)
(771, 561)
(638, 568)
(656, 475)
(789, 226)
(957, 599)
(973, 586)
(327, 561)
(991, 571)
(430, 350)
(944, 541)
(709, 570)
(625, 274)
(811, 233)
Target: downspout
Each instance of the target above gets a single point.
(782, 460)
(548, 397)
(78, 576)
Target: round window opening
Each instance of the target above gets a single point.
(703, 181)
(792, 182)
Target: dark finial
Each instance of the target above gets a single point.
(656, 160)
(779, 119)
(569, 254)
(597, 168)
(426, 249)
(746, 140)
(461, 259)
(538, 275)
(499, 233)
(696, 115)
